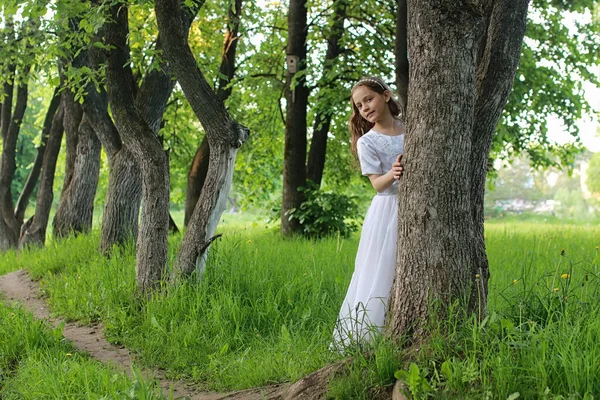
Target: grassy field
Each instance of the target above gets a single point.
(265, 309)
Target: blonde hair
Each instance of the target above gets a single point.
(357, 124)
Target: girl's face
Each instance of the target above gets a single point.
(371, 105)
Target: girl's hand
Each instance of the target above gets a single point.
(397, 168)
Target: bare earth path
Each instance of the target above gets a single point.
(18, 287)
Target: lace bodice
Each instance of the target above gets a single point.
(377, 152)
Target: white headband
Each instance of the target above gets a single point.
(372, 81)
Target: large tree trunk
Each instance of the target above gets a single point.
(74, 214)
(497, 65)
(224, 135)
(33, 233)
(434, 214)
(199, 166)
(123, 197)
(151, 258)
(9, 226)
(34, 173)
(294, 159)
(458, 88)
(318, 145)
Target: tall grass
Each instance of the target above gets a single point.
(265, 310)
(37, 363)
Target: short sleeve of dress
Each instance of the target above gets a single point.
(369, 161)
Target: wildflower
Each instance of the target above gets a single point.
(515, 281)
(597, 247)
(555, 289)
(477, 276)
(12, 314)
(562, 252)
(68, 354)
(565, 276)
(249, 240)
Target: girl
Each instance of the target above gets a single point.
(378, 142)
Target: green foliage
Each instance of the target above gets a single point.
(324, 213)
(415, 380)
(37, 363)
(593, 174)
(559, 54)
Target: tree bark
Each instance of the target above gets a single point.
(151, 246)
(434, 213)
(199, 166)
(33, 233)
(9, 226)
(196, 178)
(318, 145)
(123, 198)
(458, 89)
(75, 211)
(225, 136)
(495, 75)
(296, 94)
(34, 174)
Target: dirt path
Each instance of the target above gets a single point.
(18, 287)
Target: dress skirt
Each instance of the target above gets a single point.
(363, 311)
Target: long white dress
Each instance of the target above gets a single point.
(363, 311)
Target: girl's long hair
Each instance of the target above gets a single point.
(357, 124)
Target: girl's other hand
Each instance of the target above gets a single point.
(398, 168)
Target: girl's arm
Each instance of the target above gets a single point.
(384, 181)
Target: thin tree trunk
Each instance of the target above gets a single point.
(401, 52)
(33, 232)
(9, 226)
(318, 145)
(34, 174)
(224, 135)
(435, 222)
(199, 166)
(294, 161)
(151, 258)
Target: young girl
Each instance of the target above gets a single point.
(378, 141)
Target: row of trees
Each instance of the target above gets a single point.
(114, 68)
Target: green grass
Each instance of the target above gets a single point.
(37, 363)
(265, 310)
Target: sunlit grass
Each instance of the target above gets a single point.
(37, 363)
(265, 310)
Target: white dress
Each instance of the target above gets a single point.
(363, 311)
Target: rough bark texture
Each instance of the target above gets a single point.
(224, 136)
(151, 258)
(463, 61)
(318, 145)
(199, 167)
(296, 95)
(496, 71)
(34, 174)
(34, 232)
(9, 226)
(75, 211)
(434, 212)
(123, 196)
(122, 204)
